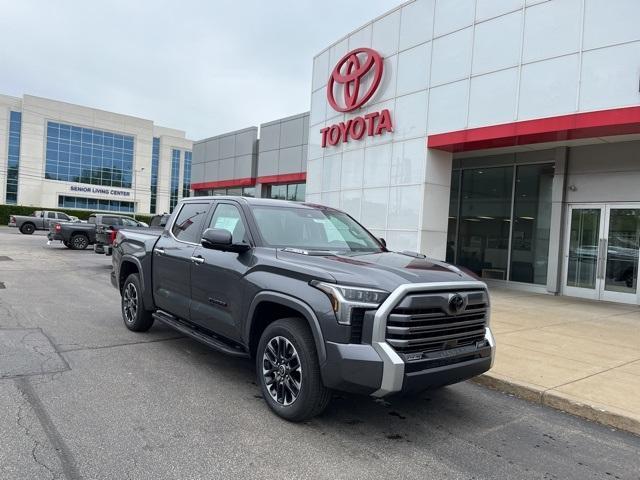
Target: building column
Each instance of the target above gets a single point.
(557, 230)
(435, 204)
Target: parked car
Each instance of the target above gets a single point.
(38, 220)
(78, 236)
(316, 300)
(106, 234)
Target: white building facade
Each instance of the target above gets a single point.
(61, 155)
(500, 135)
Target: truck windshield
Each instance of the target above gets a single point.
(313, 229)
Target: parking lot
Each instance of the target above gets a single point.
(83, 397)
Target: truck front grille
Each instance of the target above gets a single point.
(426, 322)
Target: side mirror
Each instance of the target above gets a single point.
(383, 242)
(221, 239)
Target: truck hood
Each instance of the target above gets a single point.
(384, 270)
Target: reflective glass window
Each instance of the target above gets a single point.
(85, 155)
(485, 217)
(175, 179)
(531, 223)
(155, 161)
(13, 158)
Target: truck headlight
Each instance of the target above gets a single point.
(344, 298)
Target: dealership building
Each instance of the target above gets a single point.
(502, 136)
(60, 155)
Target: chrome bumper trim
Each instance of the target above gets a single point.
(393, 365)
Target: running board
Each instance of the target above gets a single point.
(199, 335)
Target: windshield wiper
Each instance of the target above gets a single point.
(302, 251)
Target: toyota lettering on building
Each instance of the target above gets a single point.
(350, 77)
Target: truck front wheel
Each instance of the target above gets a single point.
(136, 317)
(288, 371)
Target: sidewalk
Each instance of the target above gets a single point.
(575, 355)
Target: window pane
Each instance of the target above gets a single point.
(189, 222)
(531, 224)
(583, 247)
(453, 216)
(485, 216)
(227, 217)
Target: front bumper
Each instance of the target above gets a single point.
(360, 368)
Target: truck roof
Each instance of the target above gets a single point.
(258, 201)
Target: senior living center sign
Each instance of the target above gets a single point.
(357, 76)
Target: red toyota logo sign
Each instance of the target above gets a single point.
(350, 72)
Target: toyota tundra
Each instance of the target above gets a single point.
(316, 300)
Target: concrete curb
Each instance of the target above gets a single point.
(605, 415)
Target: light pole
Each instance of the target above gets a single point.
(135, 188)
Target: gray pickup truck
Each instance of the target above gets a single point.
(78, 236)
(38, 220)
(316, 300)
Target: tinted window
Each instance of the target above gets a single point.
(63, 216)
(106, 220)
(188, 224)
(227, 217)
(127, 222)
(51, 215)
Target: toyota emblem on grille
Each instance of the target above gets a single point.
(456, 303)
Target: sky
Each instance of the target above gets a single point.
(206, 67)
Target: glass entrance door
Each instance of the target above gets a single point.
(601, 255)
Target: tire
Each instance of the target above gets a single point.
(79, 241)
(291, 335)
(27, 228)
(136, 318)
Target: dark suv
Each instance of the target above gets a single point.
(310, 294)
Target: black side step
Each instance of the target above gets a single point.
(199, 335)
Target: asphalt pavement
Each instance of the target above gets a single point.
(83, 397)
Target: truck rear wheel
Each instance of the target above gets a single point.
(289, 372)
(136, 317)
(79, 241)
(27, 228)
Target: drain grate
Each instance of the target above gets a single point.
(4, 258)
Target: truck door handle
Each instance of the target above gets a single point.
(159, 251)
(197, 259)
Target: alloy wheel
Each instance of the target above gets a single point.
(130, 300)
(282, 370)
(80, 242)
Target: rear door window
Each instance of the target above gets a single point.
(188, 224)
(110, 221)
(51, 215)
(63, 216)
